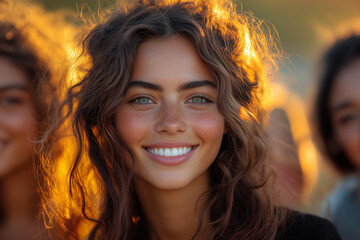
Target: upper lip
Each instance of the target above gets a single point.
(169, 145)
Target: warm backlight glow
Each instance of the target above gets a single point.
(279, 97)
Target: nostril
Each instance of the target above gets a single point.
(170, 126)
(171, 120)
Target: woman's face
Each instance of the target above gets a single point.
(345, 109)
(17, 123)
(169, 118)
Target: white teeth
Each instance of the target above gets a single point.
(174, 152)
(169, 152)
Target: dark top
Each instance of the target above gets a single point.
(298, 226)
(308, 227)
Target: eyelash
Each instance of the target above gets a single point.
(137, 99)
(207, 100)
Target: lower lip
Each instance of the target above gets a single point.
(171, 161)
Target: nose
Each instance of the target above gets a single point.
(171, 120)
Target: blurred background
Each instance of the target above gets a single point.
(305, 29)
(298, 22)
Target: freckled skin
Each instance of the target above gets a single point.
(172, 117)
(346, 121)
(17, 123)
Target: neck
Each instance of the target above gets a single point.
(173, 214)
(19, 197)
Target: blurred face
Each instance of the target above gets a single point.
(17, 124)
(169, 117)
(345, 109)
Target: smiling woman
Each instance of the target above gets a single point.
(168, 116)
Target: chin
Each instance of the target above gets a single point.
(171, 182)
(172, 185)
(167, 181)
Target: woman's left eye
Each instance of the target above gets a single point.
(198, 100)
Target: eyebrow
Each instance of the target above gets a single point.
(182, 87)
(13, 86)
(196, 84)
(147, 85)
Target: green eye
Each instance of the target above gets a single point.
(143, 100)
(198, 100)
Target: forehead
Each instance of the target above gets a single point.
(346, 86)
(10, 74)
(175, 57)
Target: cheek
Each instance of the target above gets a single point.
(350, 141)
(20, 129)
(209, 126)
(20, 124)
(132, 126)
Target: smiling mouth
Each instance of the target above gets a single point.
(169, 152)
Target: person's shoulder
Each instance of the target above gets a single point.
(345, 190)
(300, 226)
(343, 200)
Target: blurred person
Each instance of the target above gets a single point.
(32, 66)
(167, 116)
(24, 78)
(337, 123)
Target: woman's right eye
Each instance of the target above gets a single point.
(142, 100)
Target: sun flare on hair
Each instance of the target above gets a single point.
(220, 11)
(249, 52)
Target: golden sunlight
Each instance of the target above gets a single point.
(280, 97)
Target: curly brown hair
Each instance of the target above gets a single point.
(240, 52)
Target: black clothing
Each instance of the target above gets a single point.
(307, 227)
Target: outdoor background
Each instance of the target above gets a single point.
(297, 22)
(304, 28)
